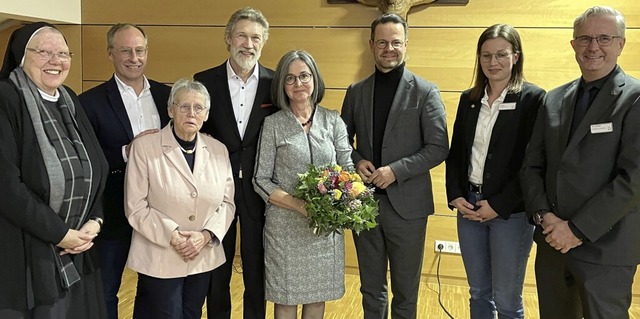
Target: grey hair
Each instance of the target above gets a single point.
(278, 94)
(247, 13)
(600, 11)
(122, 26)
(189, 85)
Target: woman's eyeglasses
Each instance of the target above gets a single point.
(186, 108)
(289, 79)
(46, 55)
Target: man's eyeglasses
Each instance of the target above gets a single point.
(186, 108)
(126, 51)
(485, 57)
(289, 79)
(382, 44)
(46, 55)
(603, 40)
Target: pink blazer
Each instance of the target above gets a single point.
(162, 194)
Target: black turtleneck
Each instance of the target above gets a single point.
(188, 146)
(384, 90)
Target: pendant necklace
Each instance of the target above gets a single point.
(188, 152)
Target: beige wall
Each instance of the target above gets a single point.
(64, 11)
(186, 37)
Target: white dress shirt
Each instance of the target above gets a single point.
(486, 120)
(243, 94)
(141, 109)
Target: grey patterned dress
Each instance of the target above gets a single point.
(300, 267)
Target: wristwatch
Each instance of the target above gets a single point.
(98, 220)
(538, 216)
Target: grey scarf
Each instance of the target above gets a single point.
(66, 161)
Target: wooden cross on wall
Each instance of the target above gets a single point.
(400, 7)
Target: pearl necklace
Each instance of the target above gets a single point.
(188, 152)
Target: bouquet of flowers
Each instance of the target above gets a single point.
(336, 199)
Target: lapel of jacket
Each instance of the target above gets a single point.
(174, 155)
(399, 101)
(470, 123)
(116, 104)
(603, 102)
(225, 98)
(202, 158)
(161, 102)
(262, 96)
(566, 113)
(505, 117)
(366, 98)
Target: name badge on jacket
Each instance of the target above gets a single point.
(601, 128)
(507, 106)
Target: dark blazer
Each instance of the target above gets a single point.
(222, 126)
(27, 223)
(593, 179)
(108, 116)
(415, 138)
(509, 138)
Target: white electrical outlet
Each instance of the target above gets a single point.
(450, 247)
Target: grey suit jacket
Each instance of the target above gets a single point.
(593, 179)
(415, 138)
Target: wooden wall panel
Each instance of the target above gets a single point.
(4, 39)
(216, 13)
(478, 13)
(523, 13)
(444, 56)
(86, 85)
(74, 39)
(173, 52)
(179, 52)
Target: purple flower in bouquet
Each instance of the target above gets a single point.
(336, 199)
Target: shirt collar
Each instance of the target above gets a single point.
(122, 87)
(599, 82)
(48, 97)
(232, 74)
(500, 98)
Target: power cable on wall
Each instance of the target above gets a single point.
(440, 247)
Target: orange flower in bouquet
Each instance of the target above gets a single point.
(336, 199)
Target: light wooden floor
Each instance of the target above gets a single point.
(454, 298)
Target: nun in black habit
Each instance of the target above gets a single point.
(52, 175)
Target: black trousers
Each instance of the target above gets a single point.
(252, 253)
(174, 298)
(569, 288)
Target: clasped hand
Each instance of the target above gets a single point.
(78, 241)
(381, 177)
(558, 234)
(484, 213)
(188, 244)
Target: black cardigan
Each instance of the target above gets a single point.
(27, 224)
(509, 138)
